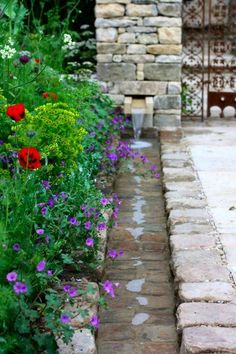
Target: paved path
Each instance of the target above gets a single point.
(140, 320)
(213, 150)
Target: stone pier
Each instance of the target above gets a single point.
(139, 54)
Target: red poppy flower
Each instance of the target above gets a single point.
(52, 95)
(16, 112)
(29, 157)
(36, 60)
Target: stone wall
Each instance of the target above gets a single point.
(139, 53)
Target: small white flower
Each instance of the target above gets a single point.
(8, 51)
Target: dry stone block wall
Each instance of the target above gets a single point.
(139, 53)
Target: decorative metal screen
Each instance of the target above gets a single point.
(209, 56)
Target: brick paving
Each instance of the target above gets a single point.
(140, 320)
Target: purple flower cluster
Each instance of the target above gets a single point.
(71, 291)
(41, 266)
(108, 286)
(113, 254)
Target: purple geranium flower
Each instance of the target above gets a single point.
(44, 211)
(88, 225)
(73, 221)
(12, 276)
(153, 168)
(40, 231)
(16, 247)
(51, 202)
(89, 242)
(64, 195)
(108, 287)
(41, 266)
(1, 142)
(101, 226)
(47, 239)
(104, 201)
(72, 292)
(46, 184)
(20, 288)
(65, 318)
(66, 288)
(111, 156)
(95, 322)
(50, 273)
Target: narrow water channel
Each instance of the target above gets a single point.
(140, 320)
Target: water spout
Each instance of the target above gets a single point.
(137, 121)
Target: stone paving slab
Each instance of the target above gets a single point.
(200, 340)
(191, 228)
(195, 242)
(178, 174)
(198, 266)
(207, 292)
(208, 314)
(200, 253)
(184, 203)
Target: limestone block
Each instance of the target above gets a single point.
(183, 202)
(174, 88)
(141, 10)
(140, 66)
(138, 58)
(178, 174)
(136, 49)
(106, 35)
(161, 21)
(162, 72)
(159, 49)
(191, 242)
(116, 72)
(167, 102)
(104, 58)
(181, 216)
(169, 59)
(140, 75)
(121, 30)
(140, 87)
(150, 38)
(171, 35)
(118, 99)
(83, 341)
(141, 29)
(206, 314)
(205, 339)
(127, 38)
(117, 58)
(170, 10)
(121, 22)
(109, 10)
(169, 122)
(208, 292)
(189, 228)
(191, 266)
(111, 48)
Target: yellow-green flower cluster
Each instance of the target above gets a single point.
(54, 130)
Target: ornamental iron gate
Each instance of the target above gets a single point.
(209, 57)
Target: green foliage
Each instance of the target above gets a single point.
(53, 129)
